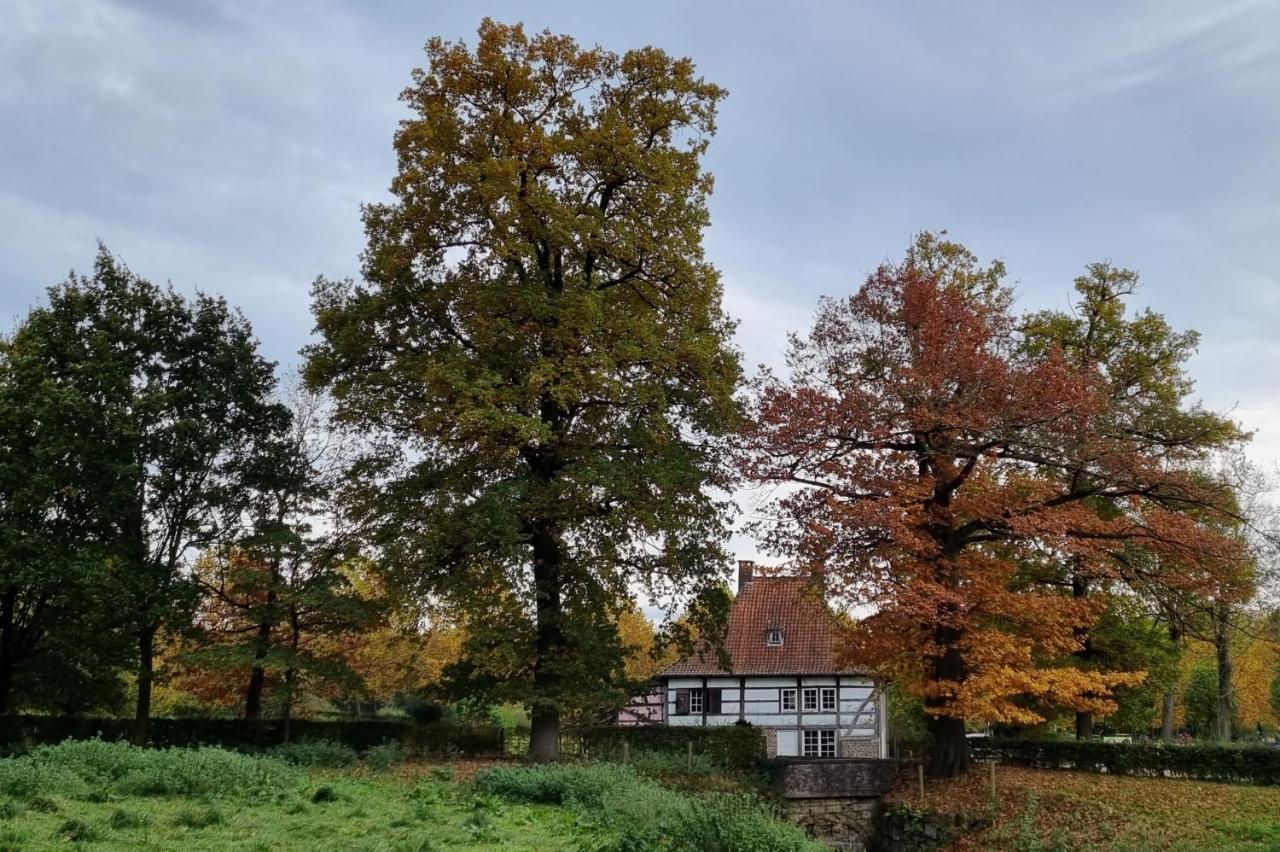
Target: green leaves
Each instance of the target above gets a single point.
(539, 347)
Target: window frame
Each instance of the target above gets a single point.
(789, 692)
(805, 694)
(818, 742)
(826, 692)
(769, 640)
(696, 701)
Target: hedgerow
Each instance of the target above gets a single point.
(1250, 765)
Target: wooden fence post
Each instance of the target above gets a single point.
(626, 751)
(689, 745)
(920, 776)
(993, 780)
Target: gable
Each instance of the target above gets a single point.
(789, 604)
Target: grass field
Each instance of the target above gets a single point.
(1059, 810)
(108, 796)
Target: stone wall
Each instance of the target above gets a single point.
(908, 830)
(845, 824)
(864, 747)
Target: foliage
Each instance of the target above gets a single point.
(945, 470)
(180, 402)
(638, 815)
(315, 753)
(1251, 765)
(1200, 700)
(538, 356)
(1124, 637)
(730, 746)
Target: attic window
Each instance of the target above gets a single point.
(774, 638)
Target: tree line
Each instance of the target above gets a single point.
(529, 410)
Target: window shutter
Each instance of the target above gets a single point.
(682, 702)
(713, 700)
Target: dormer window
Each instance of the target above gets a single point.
(773, 638)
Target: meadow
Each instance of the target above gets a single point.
(317, 796)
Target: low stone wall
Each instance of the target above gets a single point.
(836, 800)
(846, 824)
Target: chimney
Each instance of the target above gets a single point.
(746, 570)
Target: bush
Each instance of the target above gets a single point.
(87, 769)
(638, 815)
(1208, 763)
(383, 757)
(315, 754)
(728, 747)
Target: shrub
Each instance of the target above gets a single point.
(638, 815)
(1209, 763)
(86, 769)
(122, 820)
(324, 793)
(315, 754)
(729, 747)
(383, 757)
(197, 817)
(76, 831)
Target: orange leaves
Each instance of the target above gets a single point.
(956, 478)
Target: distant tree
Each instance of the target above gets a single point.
(1200, 700)
(539, 358)
(181, 400)
(1275, 690)
(943, 469)
(1139, 364)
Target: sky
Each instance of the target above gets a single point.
(227, 146)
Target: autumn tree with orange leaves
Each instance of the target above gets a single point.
(942, 470)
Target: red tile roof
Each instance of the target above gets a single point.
(790, 604)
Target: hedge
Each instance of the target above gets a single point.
(730, 746)
(17, 732)
(1250, 765)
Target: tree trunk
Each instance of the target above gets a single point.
(1080, 589)
(258, 675)
(544, 734)
(949, 755)
(1222, 644)
(146, 664)
(8, 661)
(1170, 696)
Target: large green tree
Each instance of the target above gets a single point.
(181, 402)
(59, 648)
(539, 354)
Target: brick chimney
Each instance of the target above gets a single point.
(746, 571)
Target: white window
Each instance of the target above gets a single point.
(774, 638)
(819, 744)
(695, 701)
(810, 696)
(788, 699)
(829, 698)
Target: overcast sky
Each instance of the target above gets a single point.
(228, 145)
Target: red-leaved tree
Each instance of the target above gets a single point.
(940, 470)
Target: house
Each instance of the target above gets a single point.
(783, 677)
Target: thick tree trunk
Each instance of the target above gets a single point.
(258, 675)
(1222, 644)
(146, 671)
(949, 755)
(544, 735)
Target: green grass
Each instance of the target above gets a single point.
(111, 796)
(108, 796)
